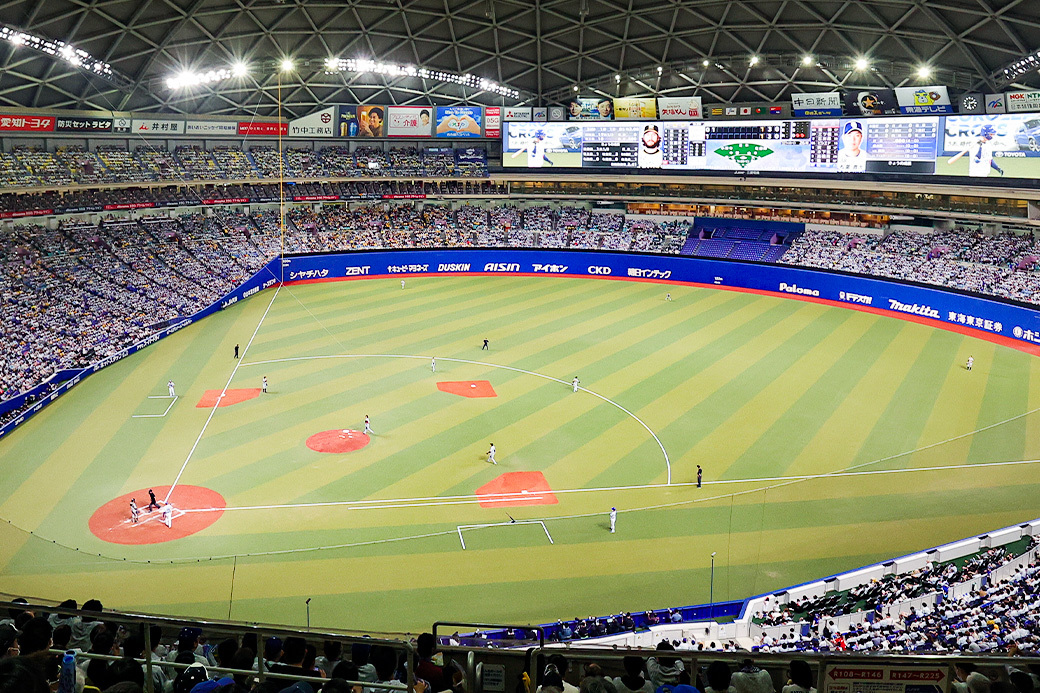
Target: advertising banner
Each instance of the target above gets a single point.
(645, 109)
(121, 124)
(153, 127)
(516, 113)
(459, 121)
(1018, 101)
(870, 102)
(542, 114)
(346, 116)
(210, 127)
(263, 129)
(684, 108)
(991, 146)
(492, 121)
(817, 104)
(409, 121)
(556, 114)
(319, 124)
(922, 100)
(78, 124)
(19, 123)
(996, 103)
(371, 121)
(590, 108)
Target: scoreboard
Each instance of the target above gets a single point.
(900, 145)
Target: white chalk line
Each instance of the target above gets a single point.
(216, 404)
(158, 416)
(667, 461)
(470, 499)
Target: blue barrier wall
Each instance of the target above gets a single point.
(989, 317)
(985, 318)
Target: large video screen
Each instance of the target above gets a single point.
(977, 146)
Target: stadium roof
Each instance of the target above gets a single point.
(542, 48)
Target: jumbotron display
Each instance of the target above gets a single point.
(1006, 145)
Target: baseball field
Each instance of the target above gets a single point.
(829, 438)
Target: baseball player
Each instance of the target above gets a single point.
(167, 515)
(265, 384)
(433, 364)
(852, 157)
(402, 283)
(135, 512)
(368, 425)
(971, 362)
(491, 454)
(613, 519)
(169, 385)
(575, 383)
(535, 148)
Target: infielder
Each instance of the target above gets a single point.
(265, 384)
(491, 454)
(613, 519)
(575, 383)
(169, 385)
(368, 425)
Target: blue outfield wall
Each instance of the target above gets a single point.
(69, 378)
(1005, 323)
(982, 317)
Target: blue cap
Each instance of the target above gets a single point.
(988, 131)
(851, 126)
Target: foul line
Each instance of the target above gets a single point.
(157, 416)
(470, 499)
(222, 393)
(667, 462)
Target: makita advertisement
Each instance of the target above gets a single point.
(990, 317)
(42, 395)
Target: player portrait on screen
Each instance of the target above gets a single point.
(852, 156)
(650, 147)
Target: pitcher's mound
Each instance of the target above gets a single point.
(338, 440)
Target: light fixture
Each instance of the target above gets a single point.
(862, 64)
(575, 87)
(753, 61)
(660, 69)
(924, 72)
(336, 65)
(189, 78)
(807, 60)
(705, 62)
(287, 65)
(617, 78)
(76, 57)
(239, 69)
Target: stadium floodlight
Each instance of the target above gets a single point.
(660, 69)
(336, 65)
(705, 62)
(862, 64)
(287, 65)
(189, 78)
(753, 60)
(807, 60)
(77, 57)
(924, 72)
(239, 69)
(617, 78)
(1022, 66)
(575, 87)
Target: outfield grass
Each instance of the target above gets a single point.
(755, 389)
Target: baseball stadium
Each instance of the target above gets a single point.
(494, 346)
